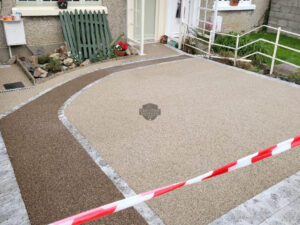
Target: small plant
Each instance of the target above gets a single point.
(76, 59)
(121, 46)
(43, 59)
(245, 65)
(54, 66)
(113, 53)
(234, 2)
(62, 4)
(98, 57)
(227, 54)
(294, 78)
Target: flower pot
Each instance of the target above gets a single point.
(234, 2)
(119, 53)
(62, 5)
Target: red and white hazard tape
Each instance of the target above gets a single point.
(132, 201)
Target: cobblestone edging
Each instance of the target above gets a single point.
(279, 205)
(12, 208)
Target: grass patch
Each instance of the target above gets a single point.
(282, 53)
(267, 48)
(231, 42)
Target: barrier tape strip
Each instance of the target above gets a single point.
(134, 200)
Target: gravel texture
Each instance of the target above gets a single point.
(211, 114)
(56, 176)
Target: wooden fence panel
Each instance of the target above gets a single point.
(93, 33)
(106, 36)
(64, 29)
(78, 37)
(97, 32)
(71, 32)
(101, 27)
(86, 33)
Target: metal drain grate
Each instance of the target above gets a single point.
(13, 85)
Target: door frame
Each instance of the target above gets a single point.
(131, 19)
(191, 14)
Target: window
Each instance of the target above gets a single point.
(51, 2)
(224, 5)
(49, 7)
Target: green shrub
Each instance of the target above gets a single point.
(231, 42)
(245, 65)
(54, 65)
(43, 59)
(76, 59)
(100, 56)
(294, 78)
(112, 53)
(227, 54)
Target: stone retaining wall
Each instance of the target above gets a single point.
(285, 14)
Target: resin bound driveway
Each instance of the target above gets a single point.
(56, 176)
(211, 115)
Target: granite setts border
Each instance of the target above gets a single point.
(12, 210)
(275, 205)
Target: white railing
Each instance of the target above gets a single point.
(211, 43)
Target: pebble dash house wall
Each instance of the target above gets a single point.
(46, 32)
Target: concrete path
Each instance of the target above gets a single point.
(56, 176)
(13, 74)
(210, 115)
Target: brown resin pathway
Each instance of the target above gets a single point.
(56, 176)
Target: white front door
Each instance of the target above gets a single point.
(191, 15)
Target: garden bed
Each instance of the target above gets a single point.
(44, 67)
(260, 63)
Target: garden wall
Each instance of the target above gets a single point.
(285, 14)
(242, 20)
(46, 32)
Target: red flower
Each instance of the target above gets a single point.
(120, 43)
(124, 46)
